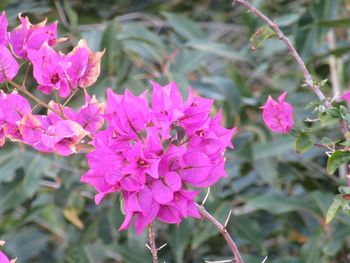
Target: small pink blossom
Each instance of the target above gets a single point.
(49, 70)
(12, 109)
(278, 115)
(27, 36)
(89, 73)
(63, 137)
(90, 114)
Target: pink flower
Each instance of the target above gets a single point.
(153, 155)
(77, 62)
(12, 109)
(278, 115)
(63, 137)
(89, 72)
(89, 116)
(27, 36)
(49, 70)
(8, 65)
(56, 71)
(4, 35)
(60, 136)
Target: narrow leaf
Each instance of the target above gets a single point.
(333, 209)
(303, 143)
(260, 36)
(337, 159)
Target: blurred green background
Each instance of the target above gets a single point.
(279, 197)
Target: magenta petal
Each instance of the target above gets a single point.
(173, 180)
(100, 196)
(130, 183)
(8, 65)
(169, 214)
(133, 204)
(161, 192)
(346, 97)
(195, 167)
(143, 221)
(126, 222)
(4, 35)
(4, 258)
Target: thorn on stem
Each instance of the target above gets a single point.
(228, 218)
(206, 197)
(162, 246)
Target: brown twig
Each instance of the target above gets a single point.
(307, 76)
(31, 96)
(152, 242)
(40, 102)
(223, 230)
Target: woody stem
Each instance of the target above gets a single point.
(34, 98)
(307, 76)
(39, 101)
(237, 258)
(152, 242)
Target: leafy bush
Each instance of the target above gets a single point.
(278, 196)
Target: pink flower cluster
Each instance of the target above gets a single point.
(62, 129)
(278, 115)
(51, 132)
(52, 70)
(157, 155)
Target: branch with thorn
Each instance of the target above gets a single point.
(237, 258)
(308, 81)
(152, 243)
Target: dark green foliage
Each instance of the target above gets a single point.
(279, 197)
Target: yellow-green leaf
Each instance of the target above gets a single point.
(71, 214)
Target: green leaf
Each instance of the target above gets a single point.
(12, 194)
(113, 48)
(280, 204)
(337, 159)
(303, 143)
(33, 173)
(184, 26)
(266, 168)
(260, 36)
(72, 16)
(272, 148)
(344, 190)
(219, 49)
(178, 239)
(338, 202)
(327, 141)
(8, 168)
(339, 23)
(311, 251)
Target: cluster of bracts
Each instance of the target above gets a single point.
(157, 154)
